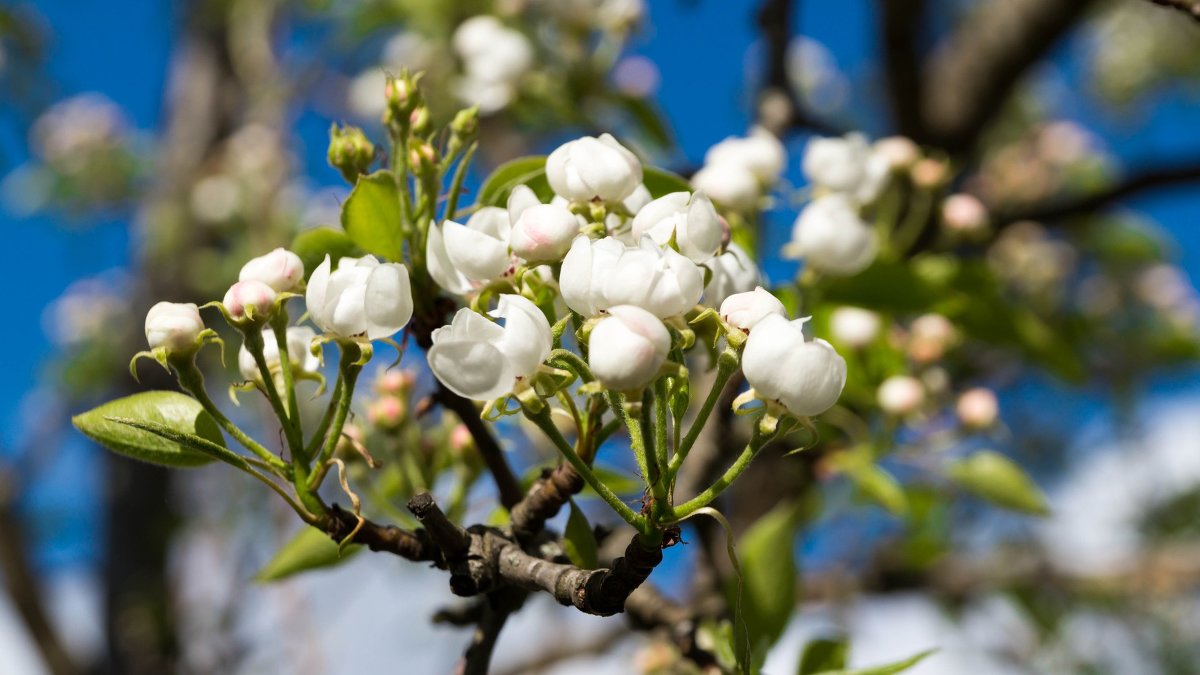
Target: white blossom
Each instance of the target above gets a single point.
(494, 58)
(760, 153)
(805, 377)
(280, 269)
(846, 165)
(540, 233)
(732, 272)
(174, 325)
(627, 348)
(482, 360)
(249, 299)
(597, 275)
(746, 310)
(459, 257)
(362, 297)
(854, 327)
(831, 237)
(591, 168)
(299, 356)
(731, 185)
(688, 217)
(901, 395)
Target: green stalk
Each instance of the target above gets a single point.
(279, 326)
(192, 380)
(318, 437)
(573, 363)
(757, 441)
(460, 174)
(726, 365)
(254, 345)
(542, 420)
(661, 451)
(349, 369)
(636, 440)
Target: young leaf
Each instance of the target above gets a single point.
(887, 669)
(768, 590)
(823, 655)
(880, 486)
(529, 171)
(313, 245)
(659, 182)
(310, 549)
(578, 540)
(997, 479)
(167, 409)
(371, 216)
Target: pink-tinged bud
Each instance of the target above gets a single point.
(964, 214)
(627, 348)
(930, 173)
(280, 269)
(978, 408)
(394, 383)
(931, 336)
(901, 395)
(543, 233)
(387, 413)
(899, 152)
(745, 310)
(249, 300)
(461, 439)
(173, 325)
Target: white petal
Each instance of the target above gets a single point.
(316, 294)
(521, 198)
(441, 269)
(388, 302)
(527, 340)
(477, 255)
(575, 277)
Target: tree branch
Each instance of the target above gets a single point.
(489, 448)
(775, 22)
(545, 498)
(977, 68)
(901, 22)
(1189, 7)
(1152, 178)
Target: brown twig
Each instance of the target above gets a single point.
(545, 498)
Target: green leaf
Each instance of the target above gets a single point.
(371, 216)
(167, 409)
(578, 540)
(822, 655)
(313, 245)
(880, 486)
(768, 590)
(529, 171)
(660, 182)
(888, 669)
(310, 549)
(648, 118)
(998, 479)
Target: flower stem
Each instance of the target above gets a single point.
(757, 441)
(254, 345)
(349, 369)
(661, 449)
(636, 440)
(543, 421)
(456, 183)
(192, 381)
(279, 326)
(726, 365)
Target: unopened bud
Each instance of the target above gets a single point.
(466, 123)
(930, 173)
(349, 151)
(249, 301)
(401, 96)
(978, 408)
(394, 383)
(964, 215)
(387, 413)
(901, 395)
(418, 120)
(422, 158)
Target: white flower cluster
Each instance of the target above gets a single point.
(738, 171)
(494, 59)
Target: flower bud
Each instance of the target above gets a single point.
(898, 151)
(402, 97)
(280, 269)
(394, 382)
(301, 358)
(745, 310)
(422, 158)
(831, 237)
(387, 412)
(361, 298)
(732, 185)
(465, 123)
(418, 120)
(931, 335)
(900, 395)
(461, 439)
(846, 166)
(627, 348)
(688, 218)
(964, 214)
(600, 274)
(249, 300)
(543, 233)
(929, 173)
(760, 153)
(349, 151)
(854, 327)
(173, 325)
(805, 377)
(589, 169)
(978, 408)
(732, 272)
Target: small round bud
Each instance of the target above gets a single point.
(173, 325)
(964, 214)
(401, 96)
(978, 408)
(543, 233)
(387, 413)
(854, 327)
(350, 152)
(901, 395)
(744, 310)
(931, 335)
(394, 383)
(249, 300)
(627, 348)
(461, 439)
(930, 173)
(280, 269)
(418, 120)
(898, 151)
(422, 157)
(465, 123)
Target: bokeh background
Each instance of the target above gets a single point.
(130, 82)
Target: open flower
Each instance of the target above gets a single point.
(688, 217)
(627, 348)
(846, 165)
(460, 257)
(494, 58)
(362, 297)
(280, 269)
(482, 360)
(173, 325)
(805, 376)
(541, 233)
(831, 237)
(760, 153)
(300, 357)
(600, 274)
(589, 168)
(732, 272)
